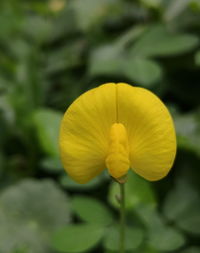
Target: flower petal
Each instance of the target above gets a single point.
(150, 131)
(85, 130)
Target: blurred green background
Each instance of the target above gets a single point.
(52, 51)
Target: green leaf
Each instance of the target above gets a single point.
(90, 12)
(149, 216)
(64, 24)
(175, 8)
(133, 238)
(165, 239)
(182, 194)
(109, 59)
(38, 28)
(159, 42)
(66, 57)
(138, 192)
(91, 210)
(34, 217)
(142, 71)
(160, 236)
(188, 131)
(47, 123)
(186, 214)
(129, 36)
(106, 60)
(77, 238)
(190, 223)
(20, 49)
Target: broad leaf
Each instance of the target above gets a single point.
(165, 239)
(138, 192)
(47, 123)
(89, 12)
(182, 194)
(77, 238)
(38, 28)
(158, 41)
(185, 214)
(188, 131)
(105, 60)
(29, 212)
(160, 236)
(175, 8)
(142, 71)
(133, 238)
(91, 210)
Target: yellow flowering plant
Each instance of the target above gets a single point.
(118, 127)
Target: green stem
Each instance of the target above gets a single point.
(122, 219)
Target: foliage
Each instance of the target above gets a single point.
(28, 217)
(50, 52)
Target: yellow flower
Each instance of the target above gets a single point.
(117, 126)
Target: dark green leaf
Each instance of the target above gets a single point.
(190, 223)
(197, 58)
(191, 250)
(66, 57)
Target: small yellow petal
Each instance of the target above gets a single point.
(85, 131)
(117, 160)
(150, 131)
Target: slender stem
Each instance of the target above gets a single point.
(122, 219)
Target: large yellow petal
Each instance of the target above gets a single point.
(150, 130)
(85, 130)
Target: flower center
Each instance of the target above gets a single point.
(117, 160)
